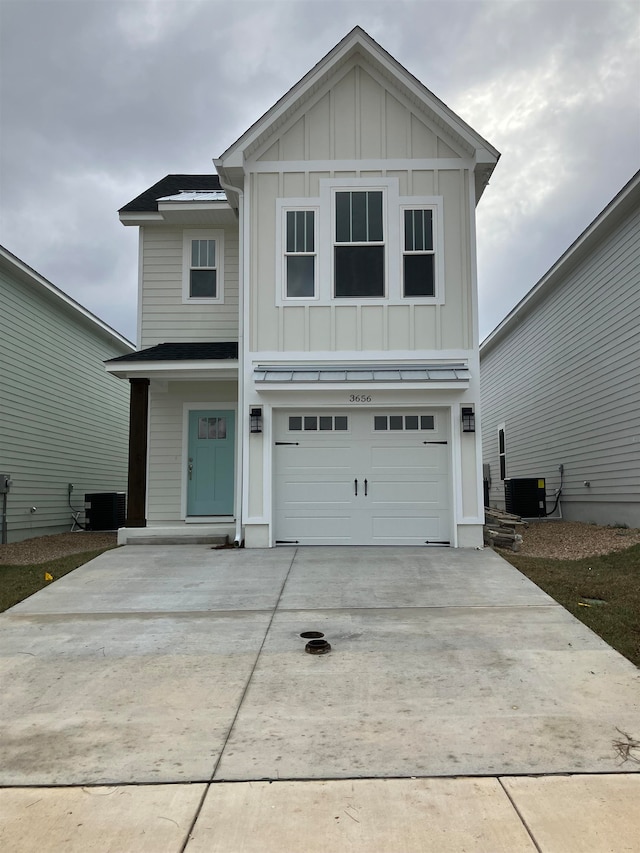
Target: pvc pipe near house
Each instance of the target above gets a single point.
(241, 413)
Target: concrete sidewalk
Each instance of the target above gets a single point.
(180, 672)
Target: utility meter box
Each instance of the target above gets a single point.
(5, 483)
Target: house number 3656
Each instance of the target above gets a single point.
(360, 398)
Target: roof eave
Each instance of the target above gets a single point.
(178, 369)
(74, 308)
(606, 219)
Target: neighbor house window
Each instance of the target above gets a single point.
(418, 257)
(203, 253)
(502, 453)
(359, 249)
(300, 254)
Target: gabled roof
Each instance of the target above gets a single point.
(33, 279)
(626, 200)
(170, 185)
(359, 42)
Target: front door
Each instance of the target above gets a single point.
(210, 463)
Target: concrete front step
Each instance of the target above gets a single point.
(184, 539)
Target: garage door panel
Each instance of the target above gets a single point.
(407, 499)
(402, 493)
(408, 529)
(314, 529)
(299, 492)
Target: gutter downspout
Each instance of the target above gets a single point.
(240, 419)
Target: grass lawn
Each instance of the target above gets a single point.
(608, 585)
(19, 582)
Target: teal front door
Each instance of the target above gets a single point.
(210, 465)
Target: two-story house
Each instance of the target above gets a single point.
(308, 363)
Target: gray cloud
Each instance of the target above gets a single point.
(100, 99)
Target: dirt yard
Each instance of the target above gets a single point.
(45, 548)
(563, 540)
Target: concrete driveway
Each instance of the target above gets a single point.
(185, 665)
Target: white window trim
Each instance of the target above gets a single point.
(435, 204)
(328, 188)
(283, 205)
(201, 234)
(394, 206)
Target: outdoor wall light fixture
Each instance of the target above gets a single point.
(255, 418)
(468, 419)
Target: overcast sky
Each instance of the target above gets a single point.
(99, 99)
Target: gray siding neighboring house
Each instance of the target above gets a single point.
(63, 419)
(561, 375)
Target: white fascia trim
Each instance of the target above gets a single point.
(26, 272)
(140, 218)
(402, 164)
(193, 205)
(175, 370)
(332, 357)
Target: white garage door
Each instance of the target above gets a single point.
(361, 478)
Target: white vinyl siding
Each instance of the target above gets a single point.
(164, 316)
(566, 382)
(63, 419)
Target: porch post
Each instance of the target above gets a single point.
(138, 422)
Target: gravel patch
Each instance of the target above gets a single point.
(41, 549)
(572, 540)
(562, 540)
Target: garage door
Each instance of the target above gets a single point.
(361, 478)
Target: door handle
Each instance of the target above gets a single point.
(365, 488)
(355, 483)
(190, 468)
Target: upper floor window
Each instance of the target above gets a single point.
(300, 254)
(359, 262)
(418, 257)
(202, 266)
(360, 242)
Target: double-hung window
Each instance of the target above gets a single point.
(418, 256)
(300, 254)
(359, 246)
(202, 266)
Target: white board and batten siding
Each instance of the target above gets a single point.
(63, 419)
(565, 381)
(165, 317)
(361, 127)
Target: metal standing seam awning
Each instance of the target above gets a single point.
(439, 375)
